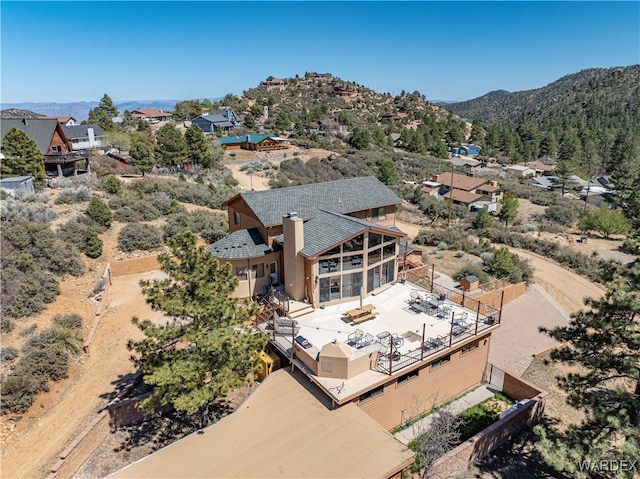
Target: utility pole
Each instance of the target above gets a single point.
(450, 197)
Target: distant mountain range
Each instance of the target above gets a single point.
(80, 110)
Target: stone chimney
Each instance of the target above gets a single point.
(293, 232)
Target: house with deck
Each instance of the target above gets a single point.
(323, 260)
(85, 137)
(48, 134)
(150, 114)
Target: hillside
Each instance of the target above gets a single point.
(589, 93)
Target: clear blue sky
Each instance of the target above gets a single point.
(75, 51)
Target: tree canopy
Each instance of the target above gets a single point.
(171, 147)
(606, 221)
(141, 153)
(199, 147)
(203, 351)
(21, 156)
(603, 343)
(509, 208)
(103, 114)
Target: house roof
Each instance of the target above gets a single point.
(538, 165)
(14, 179)
(465, 162)
(463, 196)
(149, 112)
(327, 229)
(60, 119)
(39, 130)
(460, 182)
(80, 131)
(241, 244)
(342, 196)
(252, 138)
(489, 188)
(519, 168)
(281, 430)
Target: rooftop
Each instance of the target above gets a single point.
(398, 315)
(460, 182)
(342, 196)
(281, 430)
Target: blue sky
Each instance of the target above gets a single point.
(77, 51)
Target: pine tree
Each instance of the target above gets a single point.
(171, 147)
(99, 212)
(203, 351)
(103, 114)
(200, 151)
(508, 208)
(604, 343)
(141, 153)
(21, 156)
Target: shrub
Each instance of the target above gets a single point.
(136, 236)
(564, 211)
(93, 244)
(210, 226)
(72, 195)
(111, 184)
(6, 324)
(472, 270)
(8, 354)
(70, 320)
(12, 210)
(99, 212)
(459, 254)
(442, 245)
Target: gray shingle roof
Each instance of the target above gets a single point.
(328, 229)
(241, 244)
(39, 130)
(342, 196)
(80, 131)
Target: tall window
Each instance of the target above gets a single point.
(241, 273)
(236, 218)
(257, 271)
(378, 214)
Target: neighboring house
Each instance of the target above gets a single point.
(217, 121)
(150, 114)
(551, 182)
(17, 183)
(470, 149)
(85, 137)
(467, 190)
(390, 117)
(457, 161)
(281, 430)
(49, 136)
(344, 89)
(521, 171)
(330, 125)
(63, 120)
(396, 139)
(274, 84)
(540, 168)
(255, 142)
(322, 241)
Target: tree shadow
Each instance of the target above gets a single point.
(126, 385)
(517, 459)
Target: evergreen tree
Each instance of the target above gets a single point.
(103, 114)
(21, 156)
(202, 352)
(171, 147)
(508, 208)
(360, 139)
(99, 212)
(603, 342)
(624, 167)
(141, 154)
(388, 174)
(200, 151)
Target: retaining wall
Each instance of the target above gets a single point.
(135, 265)
(456, 462)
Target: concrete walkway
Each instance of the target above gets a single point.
(456, 407)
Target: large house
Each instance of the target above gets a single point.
(321, 242)
(50, 138)
(325, 256)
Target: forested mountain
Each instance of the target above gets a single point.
(584, 111)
